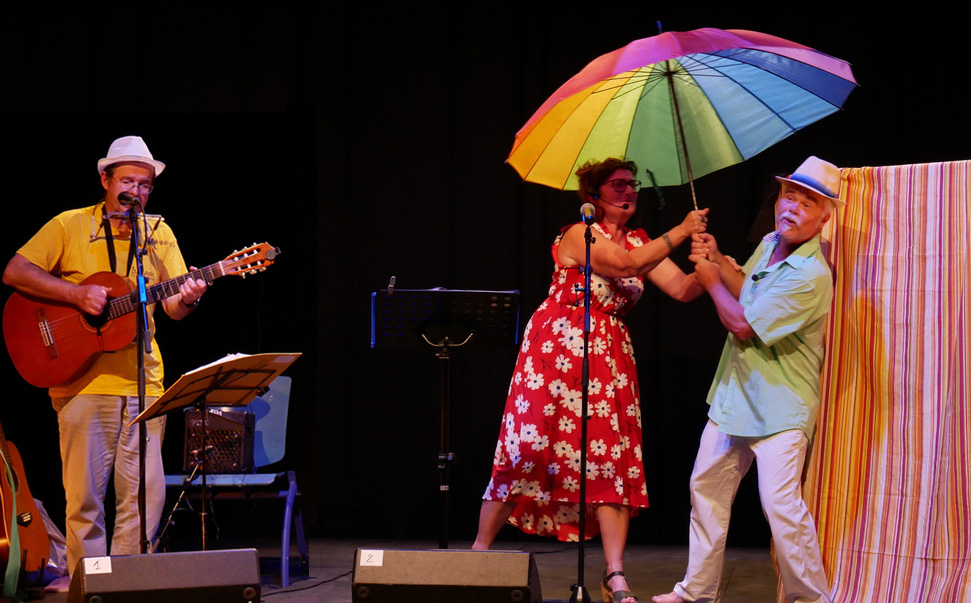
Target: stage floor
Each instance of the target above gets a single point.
(749, 576)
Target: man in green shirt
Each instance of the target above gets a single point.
(765, 395)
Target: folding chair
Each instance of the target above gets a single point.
(269, 446)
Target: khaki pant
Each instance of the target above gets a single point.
(96, 442)
(721, 463)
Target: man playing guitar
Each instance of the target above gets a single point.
(95, 406)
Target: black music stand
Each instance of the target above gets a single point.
(444, 319)
(230, 381)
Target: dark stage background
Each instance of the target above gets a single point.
(368, 142)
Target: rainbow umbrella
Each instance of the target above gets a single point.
(682, 105)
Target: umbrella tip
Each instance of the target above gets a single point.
(660, 30)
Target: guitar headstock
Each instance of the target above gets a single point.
(253, 259)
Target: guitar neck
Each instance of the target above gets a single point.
(129, 303)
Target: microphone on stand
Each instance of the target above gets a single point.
(588, 213)
(133, 203)
(129, 199)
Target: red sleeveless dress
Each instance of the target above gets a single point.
(537, 458)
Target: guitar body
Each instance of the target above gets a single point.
(55, 342)
(52, 343)
(35, 546)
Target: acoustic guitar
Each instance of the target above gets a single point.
(51, 343)
(35, 547)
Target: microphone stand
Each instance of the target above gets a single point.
(580, 594)
(144, 346)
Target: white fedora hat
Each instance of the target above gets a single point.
(818, 176)
(130, 148)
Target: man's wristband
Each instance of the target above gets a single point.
(193, 304)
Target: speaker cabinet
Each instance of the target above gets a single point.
(193, 577)
(400, 576)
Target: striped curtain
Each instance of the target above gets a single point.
(889, 480)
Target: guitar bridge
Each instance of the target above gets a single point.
(44, 326)
(24, 519)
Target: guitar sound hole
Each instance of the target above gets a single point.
(99, 321)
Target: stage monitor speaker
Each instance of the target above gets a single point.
(192, 577)
(402, 576)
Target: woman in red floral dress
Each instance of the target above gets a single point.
(536, 472)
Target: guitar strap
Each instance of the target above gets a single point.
(110, 242)
(12, 573)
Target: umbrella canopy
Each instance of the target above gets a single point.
(681, 104)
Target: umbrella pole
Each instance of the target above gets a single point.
(684, 144)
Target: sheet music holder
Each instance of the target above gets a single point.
(443, 319)
(403, 317)
(233, 380)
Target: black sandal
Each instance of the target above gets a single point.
(614, 596)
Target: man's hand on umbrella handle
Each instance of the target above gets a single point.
(707, 273)
(704, 247)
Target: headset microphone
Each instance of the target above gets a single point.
(620, 205)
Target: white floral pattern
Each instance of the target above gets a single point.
(537, 461)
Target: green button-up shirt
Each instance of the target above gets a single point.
(770, 382)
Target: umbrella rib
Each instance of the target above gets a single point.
(548, 143)
(689, 76)
(634, 82)
(754, 96)
(735, 56)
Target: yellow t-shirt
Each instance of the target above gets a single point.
(72, 246)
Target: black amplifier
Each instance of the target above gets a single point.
(229, 440)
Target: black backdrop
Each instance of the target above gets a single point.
(368, 142)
